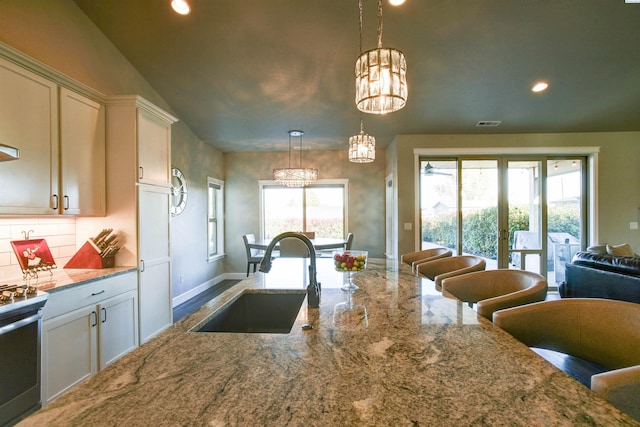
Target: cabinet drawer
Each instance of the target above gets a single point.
(92, 293)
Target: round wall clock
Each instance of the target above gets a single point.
(178, 191)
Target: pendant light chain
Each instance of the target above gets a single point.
(379, 24)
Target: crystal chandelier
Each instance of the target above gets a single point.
(381, 75)
(362, 147)
(295, 177)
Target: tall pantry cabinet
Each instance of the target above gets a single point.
(138, 197)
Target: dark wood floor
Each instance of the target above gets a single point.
(188, 307)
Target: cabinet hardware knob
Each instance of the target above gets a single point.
(55, 202)
(66, 202)
(93, 294)
(104, 314)
(95, 319)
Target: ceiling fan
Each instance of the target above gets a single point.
(431, 170)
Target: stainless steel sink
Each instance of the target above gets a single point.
(270, 312)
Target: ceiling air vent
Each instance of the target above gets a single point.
(488, 123)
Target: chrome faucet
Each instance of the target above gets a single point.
(313, 289)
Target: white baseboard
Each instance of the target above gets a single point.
(204, 286)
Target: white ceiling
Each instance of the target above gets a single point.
(241, 73)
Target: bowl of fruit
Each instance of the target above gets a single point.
(349, 262)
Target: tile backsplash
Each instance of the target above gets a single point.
(60, 234)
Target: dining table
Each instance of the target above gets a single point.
(319, 244)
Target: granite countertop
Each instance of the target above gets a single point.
(65, 278)
(422, 360)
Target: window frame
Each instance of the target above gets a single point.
(344, 182)
(219, 218)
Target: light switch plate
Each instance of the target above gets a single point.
(633, 225)
(408, 226)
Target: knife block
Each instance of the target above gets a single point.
(88, 256)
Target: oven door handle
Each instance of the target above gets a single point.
(20, 323)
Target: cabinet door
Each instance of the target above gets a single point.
(82, 156)
(154, 298)
(154, 150)
(69, 351)
(29, 122)
(118, 329)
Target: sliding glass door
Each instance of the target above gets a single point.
(500, 208)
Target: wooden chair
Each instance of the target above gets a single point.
(606, 332)
(439, 269)
(494, 290)
(426, 255)
(254, 256)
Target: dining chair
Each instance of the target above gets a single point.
(254, 256)
(603, 331)
(293, 248)
(439, 269)
(349, 241)
(418, 257)
(494, 290)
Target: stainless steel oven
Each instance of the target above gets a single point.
(20, 328)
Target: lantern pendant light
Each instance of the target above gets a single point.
(381, 75)
(362, 147)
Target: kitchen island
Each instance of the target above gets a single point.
(419, 359)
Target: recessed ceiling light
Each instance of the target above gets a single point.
(181, 7)
(396, 2)
(540, 87)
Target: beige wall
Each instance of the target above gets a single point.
(366, 197)
(58, 34)
(618, 175)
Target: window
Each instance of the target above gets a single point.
(215, 218)
(320, 208)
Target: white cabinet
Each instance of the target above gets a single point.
(61, 138)
(82, 155)
(138, 178)
(84, 329)
(154, 149)
(156, 313)
(29, 122)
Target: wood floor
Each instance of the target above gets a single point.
(188, 307)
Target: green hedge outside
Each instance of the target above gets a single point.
(480, 228)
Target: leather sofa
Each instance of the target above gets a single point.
(601, 275)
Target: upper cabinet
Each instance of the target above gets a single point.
(82, 155)
(61, 137)
(154, 149)
(140, 135)
(29, 122)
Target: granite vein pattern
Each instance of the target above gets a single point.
(66, 278)
(423, 360)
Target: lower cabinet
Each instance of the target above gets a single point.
(86, 328)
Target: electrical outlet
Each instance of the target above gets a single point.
(633, 225)
(408, 226)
